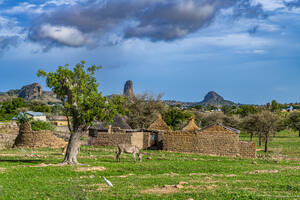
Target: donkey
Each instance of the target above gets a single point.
(128, 148)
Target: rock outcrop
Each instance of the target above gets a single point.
(29, 92)
(128, 89)
(213, 98)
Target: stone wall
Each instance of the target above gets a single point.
(8, 134)
(248, 149)
(113, 139)
(207, 143)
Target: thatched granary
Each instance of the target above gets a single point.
(191, 126)
(218, 128)
(37, 139)
(119, 122)
(159, 124)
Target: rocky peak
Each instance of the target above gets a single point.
(213, 96)
(29, 92)
(128, 89)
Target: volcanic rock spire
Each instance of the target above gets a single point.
(128, 89)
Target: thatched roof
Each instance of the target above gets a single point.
(119, 122)
(220, 128)
(191, 126)
(159, 124)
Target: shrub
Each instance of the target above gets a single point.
(41, 125)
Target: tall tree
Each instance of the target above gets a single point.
(77, 88)
(294, 121)
(143, 110)
(250, 125)
(267, 124)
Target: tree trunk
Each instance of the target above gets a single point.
(251, 137)
(72, 149)
(259, 139)
(266, 143)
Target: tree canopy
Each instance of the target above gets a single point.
(77, 88)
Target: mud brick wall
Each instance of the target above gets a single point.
(217, 144)
(147, 142)
(248, 149)
(179, 141)
(210, 143)
(105, 139)
(137, 139)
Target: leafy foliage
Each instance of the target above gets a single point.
(38, 125)
(22, 119)
(9, 109)
(176, 117)
(294, 121)
(143, 110)
(78, 90)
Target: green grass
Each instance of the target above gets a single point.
(206, 177)
(285, 143)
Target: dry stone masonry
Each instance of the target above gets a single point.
(213, 140)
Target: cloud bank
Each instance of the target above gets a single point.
(89, 22)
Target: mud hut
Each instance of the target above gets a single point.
(191, 126)
(159, 124)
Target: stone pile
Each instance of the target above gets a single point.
(37, 139)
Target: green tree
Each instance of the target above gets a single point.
(175, 117)
(275, 107)
(267, 124)
(294, 121)
(250, 125)
(82, 103)
(245, 110)
(143, 110)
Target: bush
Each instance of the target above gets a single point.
(39, 125)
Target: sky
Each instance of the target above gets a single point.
(248, 51)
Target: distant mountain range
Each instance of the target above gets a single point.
(34, 92)
(29, 92)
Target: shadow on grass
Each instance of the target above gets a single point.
(21, 161)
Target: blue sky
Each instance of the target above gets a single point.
(245, 50)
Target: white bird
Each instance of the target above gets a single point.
(108, 182)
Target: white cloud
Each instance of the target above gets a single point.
(10, 27)
(67, 35)
(23, 8)
(259, 51)
(62, 2)
(270, 5)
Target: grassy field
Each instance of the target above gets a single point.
(30, 174)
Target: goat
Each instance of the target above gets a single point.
(128, 148)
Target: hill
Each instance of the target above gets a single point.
(213, 98)
(29, 92)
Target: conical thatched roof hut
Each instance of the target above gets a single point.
(119, 122)
(191, 126)
(159, 124)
